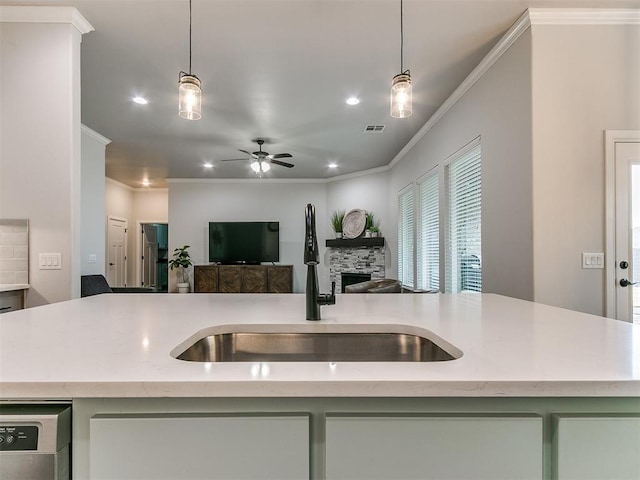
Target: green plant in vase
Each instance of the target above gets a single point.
(336, 222)
(370, 224)
(182, 261)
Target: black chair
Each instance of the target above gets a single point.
(93, 285)
(97, 284)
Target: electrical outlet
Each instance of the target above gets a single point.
(593, 260)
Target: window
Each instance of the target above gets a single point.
(464, 255)
(428, 251)
(406, 234)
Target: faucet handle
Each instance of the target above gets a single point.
(328, 298)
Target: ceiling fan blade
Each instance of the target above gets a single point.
(281, 155)
(235, 159)
(284, 164)
(248, 153)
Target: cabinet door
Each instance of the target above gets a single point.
(254, 279)
(597, 447)
(11, 300)
(205, 278)
(280, 278)
(229, 279)
(432, 447)
(202, 446)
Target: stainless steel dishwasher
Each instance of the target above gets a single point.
(35, 442)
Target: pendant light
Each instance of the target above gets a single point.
(189, 91)
(401, 89)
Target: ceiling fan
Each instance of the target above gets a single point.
(262, 160)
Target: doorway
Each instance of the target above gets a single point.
(117, 252)
(155, 256)
(623, 225)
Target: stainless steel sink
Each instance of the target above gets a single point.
(314, 346)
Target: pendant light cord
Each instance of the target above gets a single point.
(189, 37)
(401, 38)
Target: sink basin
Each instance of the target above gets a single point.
(356, 345)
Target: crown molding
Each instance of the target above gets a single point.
(531, 16)
(584, 16)
(29, 14)
(95, 135)
(362, 173)
(176, 181)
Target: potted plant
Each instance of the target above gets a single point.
(336, 222)
(182, 261)
(375, 229)
(371, 223)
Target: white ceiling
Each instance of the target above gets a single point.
(279, 70)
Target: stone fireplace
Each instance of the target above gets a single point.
(358, 260)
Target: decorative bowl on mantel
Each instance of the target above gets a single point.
(354, 223)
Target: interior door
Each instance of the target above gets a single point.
(627, 231)
(117, 252)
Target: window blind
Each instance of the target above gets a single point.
(406, 238)
(428, 248)
(464, 262)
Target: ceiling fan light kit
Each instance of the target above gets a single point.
(260, 167)
(189, 89)
(261, 160)
(401, 88)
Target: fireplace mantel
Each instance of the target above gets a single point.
(355, 242)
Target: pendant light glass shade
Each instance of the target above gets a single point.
(189, 97)
(401, 95)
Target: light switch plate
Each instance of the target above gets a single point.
(593, 260)
(50, 261)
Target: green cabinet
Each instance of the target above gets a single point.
(434, 447)
(199, 446)
(589, 447)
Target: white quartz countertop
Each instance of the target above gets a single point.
(10, 287)
(118, 345)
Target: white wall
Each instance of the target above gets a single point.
(40, 148)
(498, 109)
(586, 79)
(193, 204)
(367, 192)
(92, 223)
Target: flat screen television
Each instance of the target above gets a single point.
(244, 242)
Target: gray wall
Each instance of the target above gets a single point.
(585, 80)
(498, 109)
(92, 221)
(40, 148)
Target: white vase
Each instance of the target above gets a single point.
(338, 234)
(183, 287)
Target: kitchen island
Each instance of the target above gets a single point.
(532, 381)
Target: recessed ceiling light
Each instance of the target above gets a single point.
(140, 100)
(146, 183)
(333, 165)
(207, 165)
(353, 101)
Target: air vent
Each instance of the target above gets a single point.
(373, 129)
